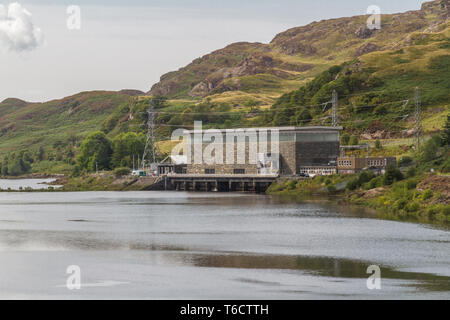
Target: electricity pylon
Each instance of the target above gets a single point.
(150, 145)
(335, 119)
(418, 117)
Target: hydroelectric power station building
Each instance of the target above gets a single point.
(296, 148)
(250, 159)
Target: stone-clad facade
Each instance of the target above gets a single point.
(298, 147)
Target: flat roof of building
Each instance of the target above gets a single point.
(370, 158)
(295, 129)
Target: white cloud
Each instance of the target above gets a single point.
(17, 31)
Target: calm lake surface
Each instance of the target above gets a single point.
(175, 245)
(18, 184)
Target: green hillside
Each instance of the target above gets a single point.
(265, 71)
(376, 95)
(51, 132)
(287, 82)
(377, 90)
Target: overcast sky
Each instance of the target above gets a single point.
(130, 44)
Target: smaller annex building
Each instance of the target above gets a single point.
(351, 165)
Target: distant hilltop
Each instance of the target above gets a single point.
(297, 54)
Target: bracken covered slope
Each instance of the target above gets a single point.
(296, 55)
(30, 125)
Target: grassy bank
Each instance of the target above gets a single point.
(106, 182)
(423, 198)
(418, 191)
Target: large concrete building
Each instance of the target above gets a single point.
(296, 148)
(351, 165)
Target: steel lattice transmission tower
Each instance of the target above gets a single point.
(418, 117)
(150, 145)
(335, 119)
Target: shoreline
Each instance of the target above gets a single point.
(428, 207)
(290, 189)
(33, 176)
(339, 201)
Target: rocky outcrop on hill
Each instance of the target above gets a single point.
(438, 184)
(366, 48)
(328, 42)
(364, 32)
(251, 65)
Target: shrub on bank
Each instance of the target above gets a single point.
(411, 184)
(120, 172)
(405, 161)
(291, 185)
(376, 182)
(399, 200)
(400, 203)
(412, 207)
(363, 179)
(276, 187)
(353, 184)
(392, 175)
(331, 189)
(412, 172)
(428, 194)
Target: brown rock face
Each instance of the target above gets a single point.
(372, 193)
(439, 7)
(165, 90)
(325, 40)
(187, 78)
(364, 32)
(252, 65)
(366, 48)
(132, 92)
(437, 184)
(294, 47)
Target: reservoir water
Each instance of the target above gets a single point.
(22, 184)
(175, 245)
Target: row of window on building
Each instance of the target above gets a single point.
(235, 171)
(377, 163)
(325, 171)
(349, 165)
(345, 163)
